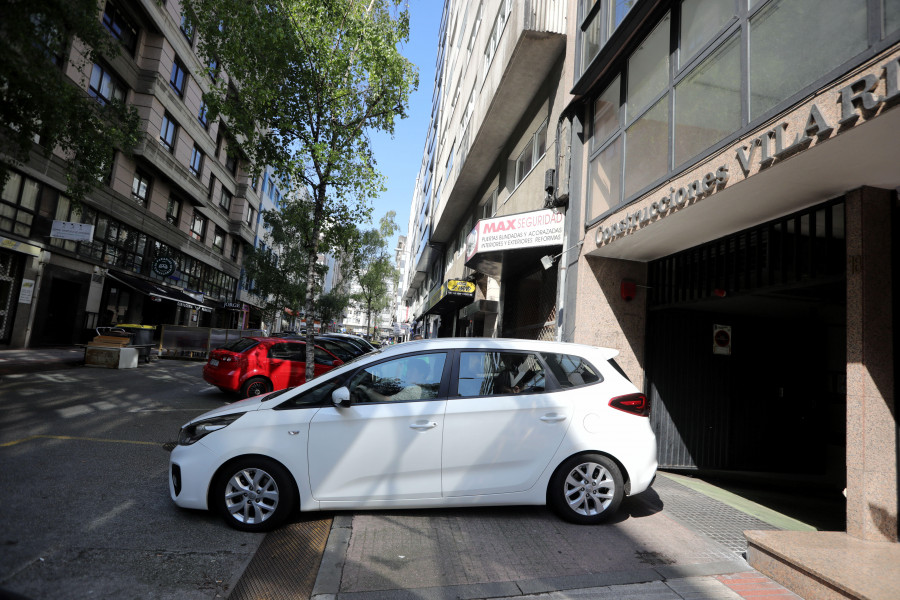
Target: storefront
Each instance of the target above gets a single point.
(747, 271)
(520, 251)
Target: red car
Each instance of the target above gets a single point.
(254, 366)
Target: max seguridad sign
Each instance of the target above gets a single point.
(524, 230)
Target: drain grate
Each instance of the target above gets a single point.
(286, 564)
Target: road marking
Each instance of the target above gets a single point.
(77, 439)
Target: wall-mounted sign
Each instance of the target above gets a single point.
(460, 286)
(26, 292)
(524, 230)
(67, 230)
(164, 266)
(722, 339)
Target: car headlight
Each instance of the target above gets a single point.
(196, 431)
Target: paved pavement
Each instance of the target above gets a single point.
(674, 542)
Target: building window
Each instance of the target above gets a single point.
(534, 150)
(121, 29)
(178, 77)
(198, 226)
(250, 221)
(104, 86)
(213, 69)
(254, 183)
(18, 204)
(202, 117)
(173, 210)
(167, 132)
(140, 188)
(187, 29)
(791, 29)
(231, 163)
(708, 102)
(599, 20)
(235, 249)
(225, 199)
(219, 240)
(196, 161)
(496, 32)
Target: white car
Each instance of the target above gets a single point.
(431, 423)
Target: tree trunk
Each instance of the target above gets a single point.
(311, 284)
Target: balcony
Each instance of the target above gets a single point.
(533, 42)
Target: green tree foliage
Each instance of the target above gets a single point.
(39, 101)
(277, 274)
(309, 79)
(375, 271)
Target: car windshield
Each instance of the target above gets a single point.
(239, 345)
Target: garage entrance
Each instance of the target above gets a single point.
(746, 356)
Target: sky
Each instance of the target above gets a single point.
(399, 157)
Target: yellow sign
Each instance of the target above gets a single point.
(460, 286)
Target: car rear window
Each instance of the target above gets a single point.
(571, 371)
(239, 345)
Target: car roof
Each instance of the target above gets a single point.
(498, 344)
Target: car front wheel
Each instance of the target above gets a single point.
(253, 494)
(586, 489)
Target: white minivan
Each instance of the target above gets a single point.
(430, 423)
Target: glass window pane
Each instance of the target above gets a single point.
(700, 21)
(796, 29)
(891, 16)
(11, 189)
(606, 179)
(617, 12)
(648, 69)
(29, 194)
(647, 141)
(708, 102)
(590, 40)
(606, 114)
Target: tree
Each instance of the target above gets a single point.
(276, 272)
(40, 102)
(308, 80)
(374, 271)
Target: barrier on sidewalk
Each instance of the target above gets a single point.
(178, 341)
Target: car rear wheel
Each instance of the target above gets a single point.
(253, 494)
(586, 489)
(255, 387)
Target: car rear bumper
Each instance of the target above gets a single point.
(224, 378)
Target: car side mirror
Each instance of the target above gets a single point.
(341, 396)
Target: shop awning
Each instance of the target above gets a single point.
(157, 291)
(454, 294)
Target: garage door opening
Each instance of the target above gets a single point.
(746, 356)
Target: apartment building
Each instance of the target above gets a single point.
(161, 240)
(478, 223)
(708, 186)
(733, 202)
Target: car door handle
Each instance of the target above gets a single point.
(423, 426)
(553, 418)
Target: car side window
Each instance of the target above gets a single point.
(571, 371)
(280, 351)
(499, 373)
(403, 379)
(318, 396)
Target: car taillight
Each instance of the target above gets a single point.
(636, 404)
